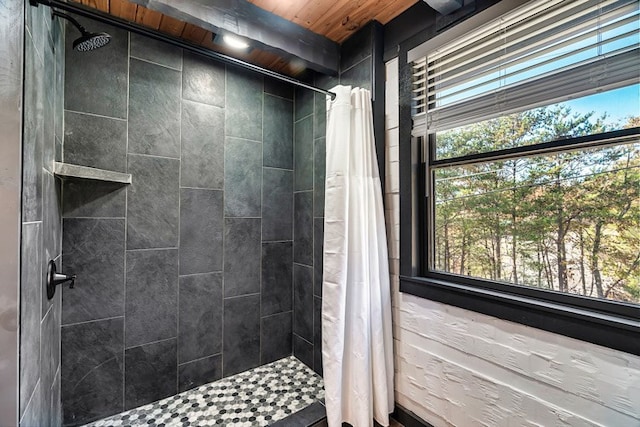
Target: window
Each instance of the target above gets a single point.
(529, 131)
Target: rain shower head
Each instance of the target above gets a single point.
(91, 41)
(87, 41)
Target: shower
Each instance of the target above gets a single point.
(87, 41)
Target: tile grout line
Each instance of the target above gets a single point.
(137, 58)
(177, 305)
(126, 236)
(224, 221)
(313, 234)
(260, 356)
(293, 218)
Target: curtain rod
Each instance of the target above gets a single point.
(156, 35)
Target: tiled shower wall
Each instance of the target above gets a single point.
(41, 226)
(185, 276)
(356, 69)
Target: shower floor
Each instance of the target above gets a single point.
(257, 397)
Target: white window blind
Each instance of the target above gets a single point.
(544, 52)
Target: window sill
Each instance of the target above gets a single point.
(599, 328)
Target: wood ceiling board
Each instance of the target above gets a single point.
(101, 5)
(387, 14)
(266, 31)
(359, 17)
(148, 18)
(331, 17)
(193, 33)
(336, 19)
(123, 10)
(172, 26)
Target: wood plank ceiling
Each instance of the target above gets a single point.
(334, 19)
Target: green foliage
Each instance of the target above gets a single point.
(568, 221)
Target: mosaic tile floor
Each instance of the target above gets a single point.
(258, 397)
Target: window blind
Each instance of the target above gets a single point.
(543, 52)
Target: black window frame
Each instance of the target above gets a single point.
(611, 324)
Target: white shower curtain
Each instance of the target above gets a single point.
(357, 346)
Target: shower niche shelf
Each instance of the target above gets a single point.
(67, 170)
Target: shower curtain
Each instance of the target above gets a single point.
(357, 344)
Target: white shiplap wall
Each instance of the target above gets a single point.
(461, 368)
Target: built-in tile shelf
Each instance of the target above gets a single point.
(67, 170)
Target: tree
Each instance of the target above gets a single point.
(568, 221)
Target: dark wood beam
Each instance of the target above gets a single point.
(265, 30)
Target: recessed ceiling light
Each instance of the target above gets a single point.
(235, 42)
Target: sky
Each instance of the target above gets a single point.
(618, 103)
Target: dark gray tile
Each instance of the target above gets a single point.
(46, 302)
(96, 81)
(303, 227)
(150, 373)
(94, 251)
(33, 135)
(49, 347)
(49, 365)
(278, 132)
(98, 142)
(241, 334)
(30, 294)
(305, 417)
(275, 337)
(49, 135)
(155, 51)
(87, 198)
(92, 370)
(244, 104)
(359, 75)
(203, 80)
(278, 88)
(356, 48)
(317, 335)
(52, 215)
(33, 413)
(303, 155)
(277, 281)
(318, 255)
(320, 115)
(202, 146)
(35, 23)
(152, 300)
(201, 225)
(303, 301)
(242, 178)
(326, 82)
(277, 204)
(319, 171)
(303, 350)
(152, 205)
(154, 109)
(200, 316)
(55, 412)
(303, 102)
(242, 259)
(320, 109)
(58, 40)
(199, 372)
